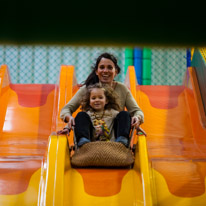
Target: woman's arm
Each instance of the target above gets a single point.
(128, 101)
(135, 111)
(133, 108)
(72, 105)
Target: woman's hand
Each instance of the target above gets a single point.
(64, 131)
(70, 125)
(70, 121)
(135, 122)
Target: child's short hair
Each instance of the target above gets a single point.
(111, 97)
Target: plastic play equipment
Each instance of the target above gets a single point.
(138, 64)
(128, 58)
(146, 66)
(142, 65)
(35, 169)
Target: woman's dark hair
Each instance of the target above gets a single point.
(93, 78)
(110, 94)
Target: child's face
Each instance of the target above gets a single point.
(97, 99)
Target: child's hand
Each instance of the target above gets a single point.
(98, 129)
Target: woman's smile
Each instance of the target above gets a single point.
(106, 71)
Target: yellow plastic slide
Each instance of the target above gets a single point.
(35, 168)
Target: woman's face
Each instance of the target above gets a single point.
(106, 71)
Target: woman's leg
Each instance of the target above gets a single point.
(122, 126)
(83, 128)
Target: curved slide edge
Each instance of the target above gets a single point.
(4, 83)
(142, 164)
(51, 188)
(57, 158)
(67, 80)
(195, 108)
(141, 155)
(4, 77)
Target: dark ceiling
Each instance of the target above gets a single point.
(118, 23)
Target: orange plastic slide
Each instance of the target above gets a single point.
(176, 145)
(26, 113)
(176, 140)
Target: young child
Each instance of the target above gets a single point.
(99, 109)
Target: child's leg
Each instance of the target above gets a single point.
(122, 126)
(83, 128)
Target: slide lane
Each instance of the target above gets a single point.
(61, 184)
(176, 140)
(25, 124)
(29, 115)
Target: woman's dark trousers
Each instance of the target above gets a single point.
(122, 126)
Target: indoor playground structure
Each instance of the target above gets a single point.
(170, 163)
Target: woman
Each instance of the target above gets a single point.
(104, 72)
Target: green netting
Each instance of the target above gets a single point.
(41, 64)
(168, 66)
